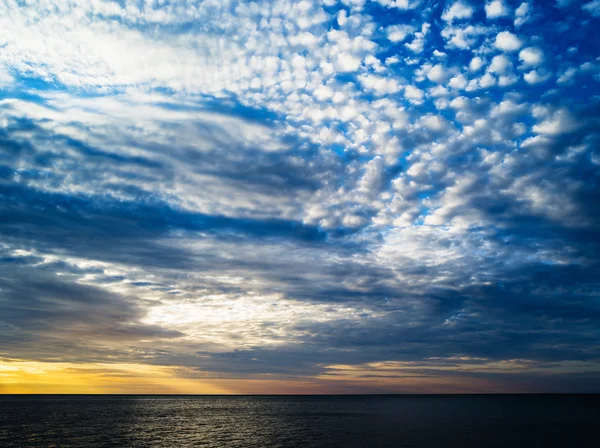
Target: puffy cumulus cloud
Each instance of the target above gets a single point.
(346, 62)
(289, 189)
(436, 73)
(458, 82)
(465, 37)
(418, 43)
(500, 64)
(536, 76)
(486, 81)
(507, 41)
(458, 10)
(496, 9)
(507, 80)
(560, 122)
(531, 56)
(414, 94)
(398, 33)
(522, 14)
(380, 86)
(476, 64)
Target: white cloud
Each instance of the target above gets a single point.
(5, 78)
(458, 82)
(463, 38)
(438, 91)
(323, 93)
(592, 7)
(305, 39)
(495, 9)
(507, 80)
(348, 113)
(560, 122)
(399, 4)
(486, 81)
(372, 181)
(507, 41)
(413, 93)
(398, 33)
(353, 221)
(437, 73)
(380, 85)
(417, 44)
(508, 108)
(458, 10)
(522, 14)
(531, 56)
(476, 64)
(347, 62)
(535, 76)
(460, 103)
(500, 64)
(434, 122)
(567, 77)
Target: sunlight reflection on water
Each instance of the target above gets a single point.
(359, 421)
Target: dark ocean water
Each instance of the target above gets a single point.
(319, 421)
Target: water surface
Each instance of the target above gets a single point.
(300, 421)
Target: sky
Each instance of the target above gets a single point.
(353, 196)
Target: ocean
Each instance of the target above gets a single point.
(508, 421)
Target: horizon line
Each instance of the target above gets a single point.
(299, 395)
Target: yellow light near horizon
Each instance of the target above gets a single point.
(31, 377)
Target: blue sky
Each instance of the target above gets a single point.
(354, 195)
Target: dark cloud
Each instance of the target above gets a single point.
(45, 316)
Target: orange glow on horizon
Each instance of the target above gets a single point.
(32, 377)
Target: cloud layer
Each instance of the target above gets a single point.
(303, 191)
